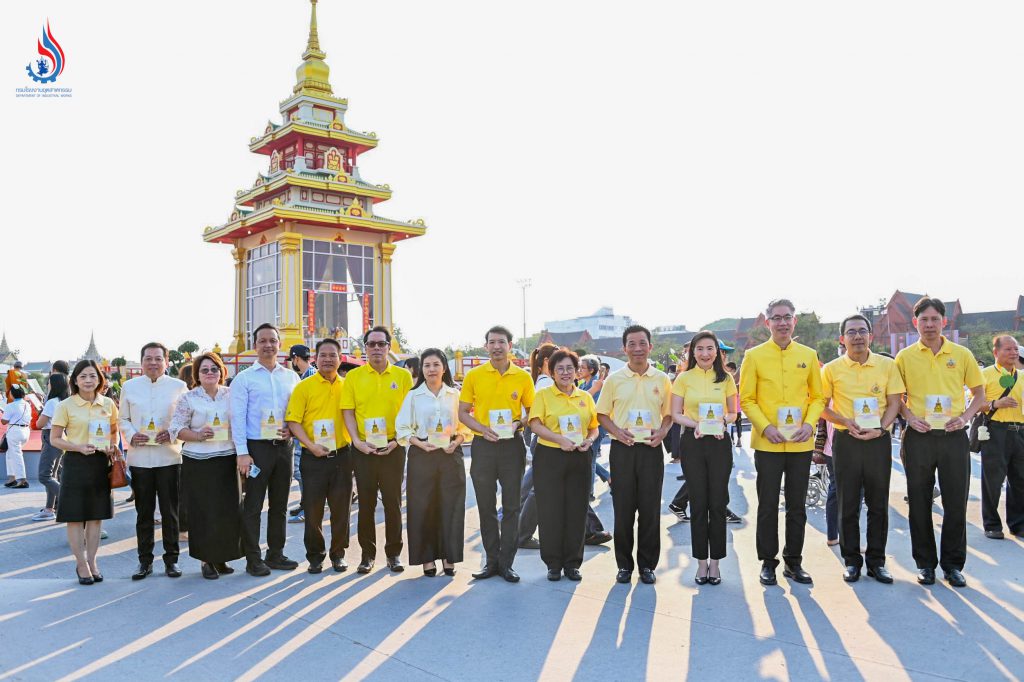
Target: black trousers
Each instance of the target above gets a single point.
(436, 505)
(562, 482)
(948, 454)
(1002, 459)
(708, 462)
(148, 485)
(867, 465)
(771, 468)
(326, 480)
(274, 459)
(493, 463)
(380, 473)
(637, 474)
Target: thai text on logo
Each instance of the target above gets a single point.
(51, 62)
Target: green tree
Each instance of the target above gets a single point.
(399, 336)
(188, 347)
(724, 324)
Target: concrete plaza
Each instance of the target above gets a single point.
(408, 627)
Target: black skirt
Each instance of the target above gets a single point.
(84, 488)
(214, 504)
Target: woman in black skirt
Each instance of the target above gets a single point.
(436, 488)
(201, 422)
(85, 428)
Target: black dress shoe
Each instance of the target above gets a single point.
(714, 580)
(223, 568)
(530, 543)
(598, 538)
(647, 576)
(994, 534)
(87, 580)
(315, 568)
(339, 565)
(881, 574)
(208, 571)
(767, 576)
(798, 574)
(554, 575)
(955, 578)
(281, 563)
(573, 574)
(257, 568)
(142, 571)
(926, 576)
(510, 576)
(624, 575)
(365, 566)
(488, 571)
(450, 572)
(430, 572)
(172, 570)
(395, 564)
(851, 574)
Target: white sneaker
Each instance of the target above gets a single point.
(44, 515)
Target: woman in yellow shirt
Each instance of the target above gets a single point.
(85, 428)
(564, 419)
(703, 403)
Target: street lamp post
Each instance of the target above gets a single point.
(524, 284)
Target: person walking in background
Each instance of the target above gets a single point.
(49, 456)
(298, 356)
(17, 416)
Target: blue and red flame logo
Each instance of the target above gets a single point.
(51, 60)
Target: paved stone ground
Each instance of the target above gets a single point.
(408, 627)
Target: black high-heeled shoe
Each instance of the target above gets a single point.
(97, 577)
(430, 572)
(450, 572)
(712, 579)
(84, 581)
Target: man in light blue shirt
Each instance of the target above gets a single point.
(259, 398)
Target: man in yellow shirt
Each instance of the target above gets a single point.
(862, 396)
(370, 400)
(491, 404)
(314, 417)
(935, 371)
(635, 410)
(1002, 455)
(780, 392)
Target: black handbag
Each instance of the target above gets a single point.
(3, 444)
(983, 418)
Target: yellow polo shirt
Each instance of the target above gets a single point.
(993, 390)
(944, 373)
(772, 377)
(374, 394)
(625, 390)
(844, 380)
(75, 413)
(487, 389)
(551, 403)
(696, 386)
(315, 398)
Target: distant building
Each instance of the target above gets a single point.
(602, 324)
(7, 356)
(566, 339)
(91, 353)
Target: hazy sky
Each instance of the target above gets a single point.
(679, 161)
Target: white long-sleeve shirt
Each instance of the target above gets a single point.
(254, 391)
(421, 410)
(144, 401)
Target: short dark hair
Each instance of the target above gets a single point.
(333, 342)
(80, 367)
(925, 302)
(60, 367)
(498, 329)
(633, 329)
(265, 325)
(381, 329)
(17, 392)
(155, 344)
(777, 302)
(1002, 335)
(606, 365)
(562, 354)
(731, 364)
(851, 318)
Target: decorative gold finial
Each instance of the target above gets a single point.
(313, 44)
(312, 76)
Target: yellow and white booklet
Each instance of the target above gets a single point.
(640, 425)
(439, 435)
(323, 433)
(938, 410)
(99, 433)
(150, 429)
(501, 423)
(712, 419)
(865, 413)
(270, 421)
(220, 426)
(376, 429)
(569, 425)
(789, 420)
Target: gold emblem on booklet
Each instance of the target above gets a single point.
(712, 419)
(789, 421)
(865, 413)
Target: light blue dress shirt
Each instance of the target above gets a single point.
(256, 389)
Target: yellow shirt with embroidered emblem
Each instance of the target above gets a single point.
(372, 394)
(75, 413)
(772, 377)
(486, 389)
(625, 390)
(993, 391)
(944, 373)
(844, 380)
(315, 398)
(696, 386)
(551, 403)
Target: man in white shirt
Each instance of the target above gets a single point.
(147, 405)
(259, 400)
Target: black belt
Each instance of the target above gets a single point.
(280, 441)
(18, 425)
(1009, 426)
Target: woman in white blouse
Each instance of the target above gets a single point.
(18, 418)
(202, 422)
(429, 425)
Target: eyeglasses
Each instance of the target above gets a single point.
(376, 344)
(780, 318)
(565, 370)
(209, 370)
(856, 332)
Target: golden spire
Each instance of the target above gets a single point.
(313, 44)
(312, 76)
